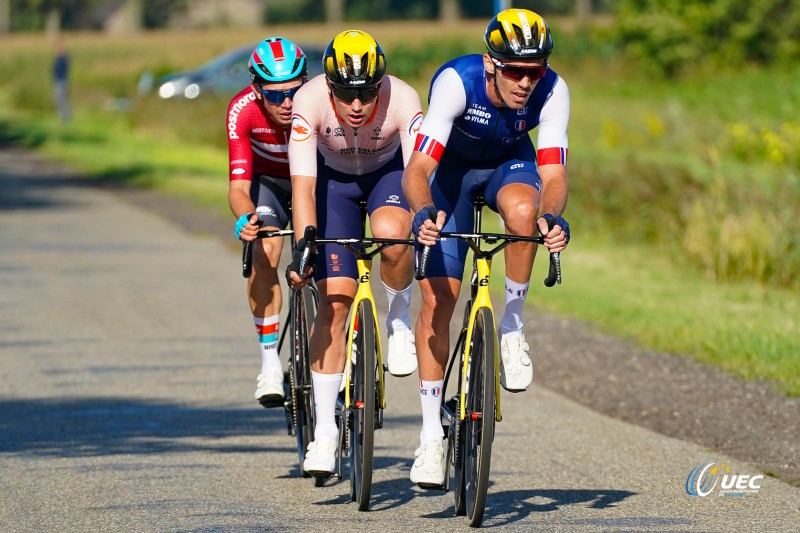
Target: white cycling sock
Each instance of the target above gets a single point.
(326, 390)
(268, 331)
(430, 396)
(512, 322)
(397, 318)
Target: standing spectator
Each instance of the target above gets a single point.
(60, 82)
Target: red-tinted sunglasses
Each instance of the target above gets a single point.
(534, 72)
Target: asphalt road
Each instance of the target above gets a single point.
(127, 367)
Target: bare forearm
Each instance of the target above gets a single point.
(304, 208)
(416, 186)
(239, 200)
(553, 198)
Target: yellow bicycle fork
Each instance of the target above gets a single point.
(363, 292)
(482, 299)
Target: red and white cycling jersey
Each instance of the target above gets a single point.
(256, 144)
(316, 126)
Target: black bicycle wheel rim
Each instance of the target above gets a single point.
(480, 419)
(362, 401)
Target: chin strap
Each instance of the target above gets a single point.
(497, 89)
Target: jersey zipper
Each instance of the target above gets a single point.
(356, 154)
(494, 131)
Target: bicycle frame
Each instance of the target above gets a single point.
(483, 268)
(363, 292)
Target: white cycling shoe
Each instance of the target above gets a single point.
(402, 354)
(321, 457)
(428, 468)
(270, 386)
(516, 370)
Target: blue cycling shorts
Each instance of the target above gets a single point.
(339, 214)
(453, 188)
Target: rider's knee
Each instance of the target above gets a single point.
(396, 226)
(333, 309)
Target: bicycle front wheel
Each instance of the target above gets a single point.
(362, 404)
(302, 313)
(480, 415)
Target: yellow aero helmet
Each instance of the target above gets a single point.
(354, 59)
(518, 34)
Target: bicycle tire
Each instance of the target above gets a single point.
(362, 405)
(302, 315)
(458, 431)
(480, 416)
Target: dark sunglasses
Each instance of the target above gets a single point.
(348, 94)
(534, 72)
(277, 96)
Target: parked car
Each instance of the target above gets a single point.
(224, 75)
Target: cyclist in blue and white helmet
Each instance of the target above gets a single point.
(259, 191)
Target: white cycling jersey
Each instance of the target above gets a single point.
(317, 127)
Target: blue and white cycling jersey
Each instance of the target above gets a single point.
(480, 147)
(463, 128)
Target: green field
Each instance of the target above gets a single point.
(683, 199)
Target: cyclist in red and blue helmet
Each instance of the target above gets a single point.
(277, 60)
(259, 189)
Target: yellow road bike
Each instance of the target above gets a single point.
(469, 415)
(362, 401)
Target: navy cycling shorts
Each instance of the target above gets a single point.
(339, 214)
(273, 199)
(453, 188)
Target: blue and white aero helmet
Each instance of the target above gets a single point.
(276, 59)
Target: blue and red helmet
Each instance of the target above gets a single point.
(275, 60)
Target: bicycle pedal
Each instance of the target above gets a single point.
(270, 402)
(431, 486)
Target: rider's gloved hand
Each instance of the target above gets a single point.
(294, 266)
(558, 221)
(426, 213)
(241, 223)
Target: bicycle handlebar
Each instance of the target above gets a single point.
(247, 247)
(422, 264)
(309, 238)
(350, 242)
(553, 276)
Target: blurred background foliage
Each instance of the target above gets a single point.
(676, 141)
(684, 144)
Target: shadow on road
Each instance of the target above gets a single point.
(503, 508)
(79, 427)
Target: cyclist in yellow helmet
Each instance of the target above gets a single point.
(475, 138)
(353, 130)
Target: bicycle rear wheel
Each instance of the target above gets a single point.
(480, 415)
(301, 316)
(362, 405)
